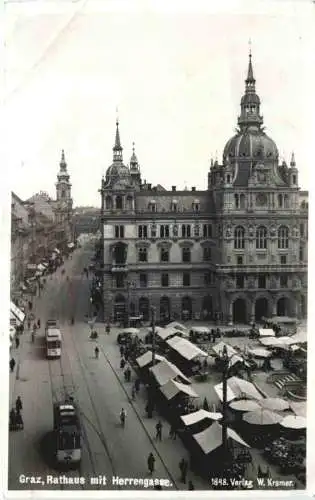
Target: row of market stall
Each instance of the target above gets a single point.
(201, 430)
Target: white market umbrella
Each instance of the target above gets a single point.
(262, 417)
(244, 405)
(293, 422)
(274, 404)
(260, 353)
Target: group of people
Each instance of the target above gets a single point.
(16, 420)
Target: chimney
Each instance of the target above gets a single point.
(149, 187)
(173, 188)
(193, 188)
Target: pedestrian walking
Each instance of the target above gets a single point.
(12, 364)
(29, 324)
(183, 466)
(191, 485)
(133, 393)
(151, 461)
(17, 342)
(97, 352)
(159, 427)
(38, 323)
(30, 305)
(108, 329)
(172, 433)
(137, 385)
(18, 405)
(122, 350)
(33, 337)
(122, 416)
(122, 363)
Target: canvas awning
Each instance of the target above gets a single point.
(146, 359)
(299, 408)
(165, 371)
(165, 333)
(211, 438)
(299, 338)
(41, 267)
(218, 349)
(17, 313)
(197, 416)
(185, 348)
(172, 388)
(238, 388)
(177, 326)
(266, 332)
(200, 329)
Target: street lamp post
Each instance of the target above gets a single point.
(129, 284)
(153, 335)
(225, 362)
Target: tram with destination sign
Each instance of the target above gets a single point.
(67, 430)
(53, 343)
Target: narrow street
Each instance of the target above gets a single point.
(108, 450)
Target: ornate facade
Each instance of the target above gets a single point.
(238, 249)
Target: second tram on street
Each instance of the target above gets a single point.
(67, 431)
(53, 343)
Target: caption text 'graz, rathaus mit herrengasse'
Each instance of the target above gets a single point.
(238, 248)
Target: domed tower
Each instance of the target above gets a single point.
(255, 198)
(134, 167)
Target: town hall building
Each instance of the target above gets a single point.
(237, 249)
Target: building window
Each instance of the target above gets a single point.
(207, 231)
(228, 179)
(186, 279)
(174, 206)
(63, 193)
(119, 231)
(185, 231)
(294, 179)
(152, 206)
(208, 278)
(143, 255)
(239, 260)
(143, 280)
(186, 254)
(164, 279)
(240, 281)
(153, 231)
(302, 232)
(283, 259)
(242, 201)
(164, 231)
(119, 202)
(196, 206)
(236, 200)
(207, 254)
(261, 238)
(108, 203)
(261, 281)
(301, 254)
(196, 230)
(283, 237)
(239, 237)
(280, 201)
(142, 232)
(283, 281)
(165, 255)
(120, 281)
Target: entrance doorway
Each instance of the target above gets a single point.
(165, 309)
(207, 307)
(186, 308)
(239, 311)
(144, 308)
(261, 309)
(119, 308)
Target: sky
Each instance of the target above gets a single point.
(174, 70)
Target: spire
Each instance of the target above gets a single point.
(292, 162)
(134, 160)
(117, 149)
(250, 102)
(63, 164)
(250, 80)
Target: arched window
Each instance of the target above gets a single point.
(108, 203)
(280, 200)
(242, 200)
(283, 237)
(286, 201)
(185, 231)
(119, 202)
(239, 237)
(129, 203)
(164, 231)
(237, 203)
(261, 237)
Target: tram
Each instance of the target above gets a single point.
(53, 343)
(67, 431)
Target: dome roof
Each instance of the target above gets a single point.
(251, 143)
(117, 170)
(250, 99)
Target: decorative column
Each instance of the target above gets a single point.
(230, 311)
(252, 310)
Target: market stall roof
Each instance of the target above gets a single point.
(172, 388)
(185, 348)
(293, 422)
(275, 404)
(260, 353)
(17, 313)
(244, 405)
(156, 329)
(218, 349)
(167, 332)
(146, 359)
(262, 417)
(200, 329)
(266, 332)
(271, 341)
(197, 416)
(131, 331)
(299, 338)
(178, 326)
(299, 408)
(165, 371)
(211, 438)
(283, 320)
(238, 388)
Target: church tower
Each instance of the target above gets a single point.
(64, 200)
